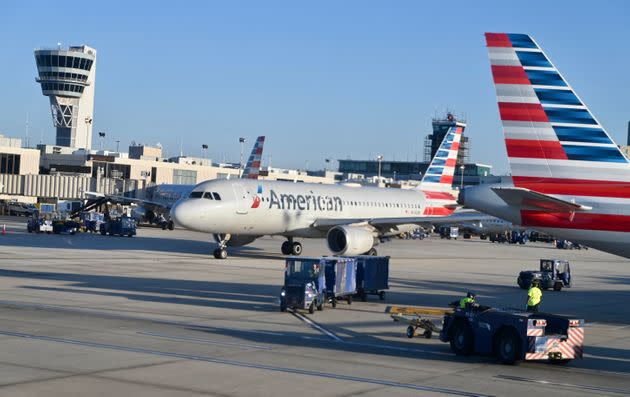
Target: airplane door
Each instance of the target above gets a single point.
(242, 202)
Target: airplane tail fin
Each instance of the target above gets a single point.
(439, 175)
(554, 144)
(252, 168)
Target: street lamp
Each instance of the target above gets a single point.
(461, 183)
(204, 148)
(102, 136)
(379, 158)
(117, 146)
(240, 166)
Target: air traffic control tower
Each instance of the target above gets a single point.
(67, 78)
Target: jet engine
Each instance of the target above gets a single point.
(349, 240)
(235, 240)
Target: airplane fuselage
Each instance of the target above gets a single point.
(251, 207)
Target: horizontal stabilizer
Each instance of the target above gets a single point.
(526, 199)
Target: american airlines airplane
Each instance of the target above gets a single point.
(352, 219)
(569, 179)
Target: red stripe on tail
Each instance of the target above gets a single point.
(498, 40)
(535, 149)
(522, 112)
(509, 75)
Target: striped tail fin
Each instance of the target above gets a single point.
(252, 168)
(439, 175)
(554, 144)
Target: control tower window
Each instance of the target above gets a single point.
(88, 64)
(82, 64)
(54, 60)
(76, 62)
(62, 61)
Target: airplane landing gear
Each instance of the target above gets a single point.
(221, 252)
(290, 247)
(372, 252)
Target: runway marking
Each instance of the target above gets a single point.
(625, 392)
(316, 326)
(202, 340)
(626, 360)
(243, 364)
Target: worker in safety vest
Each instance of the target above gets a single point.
(468, 301)
(534, 296)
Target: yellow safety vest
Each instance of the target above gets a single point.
(535, 295)
(464, 301)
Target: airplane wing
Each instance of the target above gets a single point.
(391, 224)
(530, 200)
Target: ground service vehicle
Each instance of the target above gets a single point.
(553, 273)
(372, 276)
(65, 227)
(39, 225)
(304, 284)
(513, 335)
(121, 226)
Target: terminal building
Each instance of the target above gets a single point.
(67, 78)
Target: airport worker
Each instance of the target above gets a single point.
(534, 296)
(468, 301)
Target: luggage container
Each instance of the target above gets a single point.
(340, 278)
(372, 276)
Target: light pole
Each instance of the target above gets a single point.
(379, 158)
(117, 146)
(327, 161)
(240, 167)
(101, 135)
(461, 180)
(204, 148)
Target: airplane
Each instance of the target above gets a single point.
(569, 178)
(352, 219)
(157, 208)
(487, 224)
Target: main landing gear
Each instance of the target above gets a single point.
(221, 252)
(290, 247)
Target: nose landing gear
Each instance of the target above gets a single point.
(290, 247)
(221, 251)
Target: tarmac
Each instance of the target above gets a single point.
(157, 315)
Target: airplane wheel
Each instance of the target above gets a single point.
(427, 334)
(220, 253)
(296, 249)
(411, 332)
(285, 248)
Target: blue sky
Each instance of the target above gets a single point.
(328, 79)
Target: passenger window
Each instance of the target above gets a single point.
(216, 196)
(207, 195)
(196, 194)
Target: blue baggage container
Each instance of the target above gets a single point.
(372, 276)
(340, 279)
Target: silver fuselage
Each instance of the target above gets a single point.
(291, 209)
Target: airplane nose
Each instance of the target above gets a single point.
(183, 214)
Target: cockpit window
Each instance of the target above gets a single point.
(207, 195)
(216, 196)
(196, 194)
